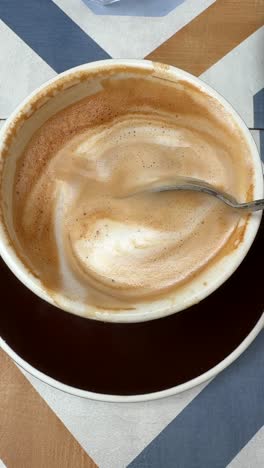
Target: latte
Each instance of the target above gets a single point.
(76, 227)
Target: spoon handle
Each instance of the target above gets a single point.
(248, 207)
(252, 206)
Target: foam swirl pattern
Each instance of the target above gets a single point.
(80, 232)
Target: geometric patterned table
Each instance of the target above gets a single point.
(220, 423)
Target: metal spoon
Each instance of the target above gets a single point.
(197, 185)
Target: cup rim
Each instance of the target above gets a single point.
(18, 268)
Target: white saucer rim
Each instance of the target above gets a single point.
(206, 376)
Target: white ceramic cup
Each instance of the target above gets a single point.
(57, 94)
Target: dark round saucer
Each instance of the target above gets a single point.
(133, 359)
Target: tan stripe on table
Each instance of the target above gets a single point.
(211, 35)
(31, 435)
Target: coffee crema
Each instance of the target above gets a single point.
(79, 230)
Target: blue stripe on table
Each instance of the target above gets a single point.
(258, 102)
(218, 423)
(50, 33)
(135, 7)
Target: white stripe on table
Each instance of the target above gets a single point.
(240, 75)
(22, 70)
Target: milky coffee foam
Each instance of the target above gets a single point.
(79, 231)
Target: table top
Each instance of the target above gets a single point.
(220, 423)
